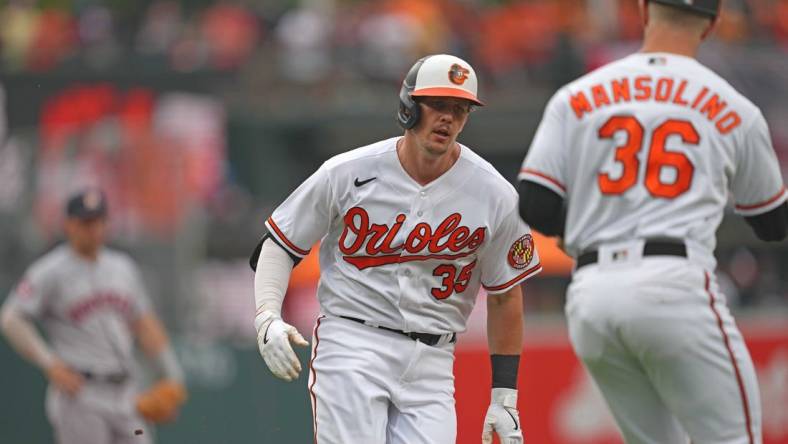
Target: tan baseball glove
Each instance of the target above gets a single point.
(161, 402)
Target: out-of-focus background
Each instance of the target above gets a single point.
(197, 117)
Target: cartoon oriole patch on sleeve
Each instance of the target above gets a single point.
(522, 252)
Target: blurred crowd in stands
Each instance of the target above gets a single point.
(310, 40)
(233, 145)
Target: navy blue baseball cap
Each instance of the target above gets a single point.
(87, 204)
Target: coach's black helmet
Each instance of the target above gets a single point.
(436, 75)
(708, 8)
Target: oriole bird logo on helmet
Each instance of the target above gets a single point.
(458, 74)
(438, 75)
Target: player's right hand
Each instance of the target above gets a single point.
(64, 378)
(273, 338)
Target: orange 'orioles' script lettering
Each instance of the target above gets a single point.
(448, 241)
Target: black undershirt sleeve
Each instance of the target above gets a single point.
(542, 208)
(771, 225)
(256, 253)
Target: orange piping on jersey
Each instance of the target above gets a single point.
(643, 87)
(713, 106)
(544, 176)
(362, 262)
(621, 90)
(519, 277)
(285, 239)
(600, 96)
(314, 378)
(678, 99)
(700, 97)
(580, 104)
(726, 340)
(762, 204)
(724, 128)
(664, 89)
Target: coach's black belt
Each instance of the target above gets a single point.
(426, 338)
(652, 248)
(109, 378)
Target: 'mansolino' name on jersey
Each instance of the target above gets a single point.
(663, 89)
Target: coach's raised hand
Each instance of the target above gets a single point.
(273, 338)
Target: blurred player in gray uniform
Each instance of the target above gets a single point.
(92, 304)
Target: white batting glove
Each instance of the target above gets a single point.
(273, 339)
(502, 417)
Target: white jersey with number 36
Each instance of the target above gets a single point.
(401, 255)
(654, 142)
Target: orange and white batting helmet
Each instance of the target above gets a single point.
(436, 75)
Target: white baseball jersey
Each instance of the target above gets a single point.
(85, 307)
(402, 255)
(648, 146)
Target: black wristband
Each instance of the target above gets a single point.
(504, 370)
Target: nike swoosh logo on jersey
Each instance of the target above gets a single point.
(361, 183)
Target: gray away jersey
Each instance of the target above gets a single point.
(86, 308)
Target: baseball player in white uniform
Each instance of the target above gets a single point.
(632, 165)
(92, 305)
(410, 228)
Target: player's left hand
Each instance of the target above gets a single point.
(503, 418)
(273, 338)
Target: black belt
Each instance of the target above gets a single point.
(426, 338)
(652, 248)
(109, 378)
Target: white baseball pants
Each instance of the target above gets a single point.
(372, 386)
(657, 337)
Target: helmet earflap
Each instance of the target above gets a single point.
(409, 111)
